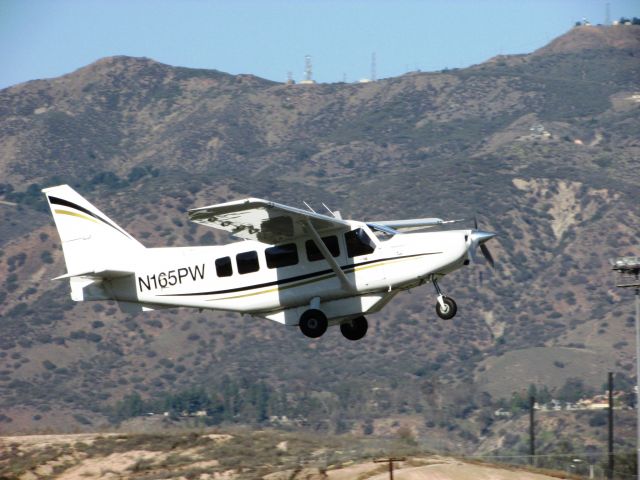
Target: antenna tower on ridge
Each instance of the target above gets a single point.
(373, 67)
(308, 71)
(607, 14)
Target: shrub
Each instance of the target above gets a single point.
(166, 363)
(49, 365)
(94, 337)
(81, 419)
(598, 419)
(46, 257)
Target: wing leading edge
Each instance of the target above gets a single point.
(264, 221)
(411, 224)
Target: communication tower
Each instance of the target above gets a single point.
(308, 71)
(373, 67)
(607, 14)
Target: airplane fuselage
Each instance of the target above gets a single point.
(245, 276)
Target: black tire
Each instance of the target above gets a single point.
(450, 309)
(354, 329)
(313, 323)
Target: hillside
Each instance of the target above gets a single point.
(542, 147)
(272, 456)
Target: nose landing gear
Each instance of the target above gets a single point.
(446, 308)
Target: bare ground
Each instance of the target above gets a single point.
(71, 457)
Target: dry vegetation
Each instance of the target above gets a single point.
(264, 455)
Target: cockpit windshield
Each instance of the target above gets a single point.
(359, 243)
(381, 232)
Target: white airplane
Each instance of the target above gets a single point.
(295, 267)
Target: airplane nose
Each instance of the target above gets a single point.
(478, 237)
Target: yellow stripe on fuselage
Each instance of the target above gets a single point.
(277, 289)
(75, 214)
(306, 282)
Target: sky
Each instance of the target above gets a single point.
(269, 38)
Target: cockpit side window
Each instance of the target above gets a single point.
(281, 255)
(358, 243)
(313, 252)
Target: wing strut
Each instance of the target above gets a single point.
(344, 281)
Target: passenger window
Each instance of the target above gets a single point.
(223, 267)
(314, 253)
(358, 243)
(281, 255)
(247, 262)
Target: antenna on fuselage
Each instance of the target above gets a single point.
(335, 214)
(309, 207)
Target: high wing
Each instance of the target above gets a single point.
(410, 224)
(264, 221)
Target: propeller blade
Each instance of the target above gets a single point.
(472, 253)
(478, 239)
(487, 254)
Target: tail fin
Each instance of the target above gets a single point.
(91, 242)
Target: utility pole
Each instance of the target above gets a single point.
(390, 460)
(628, 269)
(610, 449)
(532, 430)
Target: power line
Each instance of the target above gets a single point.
(547, 455)
(532, 431)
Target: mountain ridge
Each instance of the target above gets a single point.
(542, 147)
(588, 37)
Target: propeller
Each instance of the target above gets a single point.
(477, 238)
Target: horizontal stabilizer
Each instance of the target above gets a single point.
(133, 308)
(96, 274)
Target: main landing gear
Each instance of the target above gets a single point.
(446, 308)
(354, 329)
(313, 324)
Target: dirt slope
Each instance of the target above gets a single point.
(86, 456)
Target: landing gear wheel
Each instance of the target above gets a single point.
(354, 329)
(449, 310)
(313, 323)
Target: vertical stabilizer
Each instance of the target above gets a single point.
(91, 241)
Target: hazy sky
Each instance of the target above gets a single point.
(268, 38)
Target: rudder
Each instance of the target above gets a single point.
(91, 242)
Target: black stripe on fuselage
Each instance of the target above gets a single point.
(67, 203)
(297, 278)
